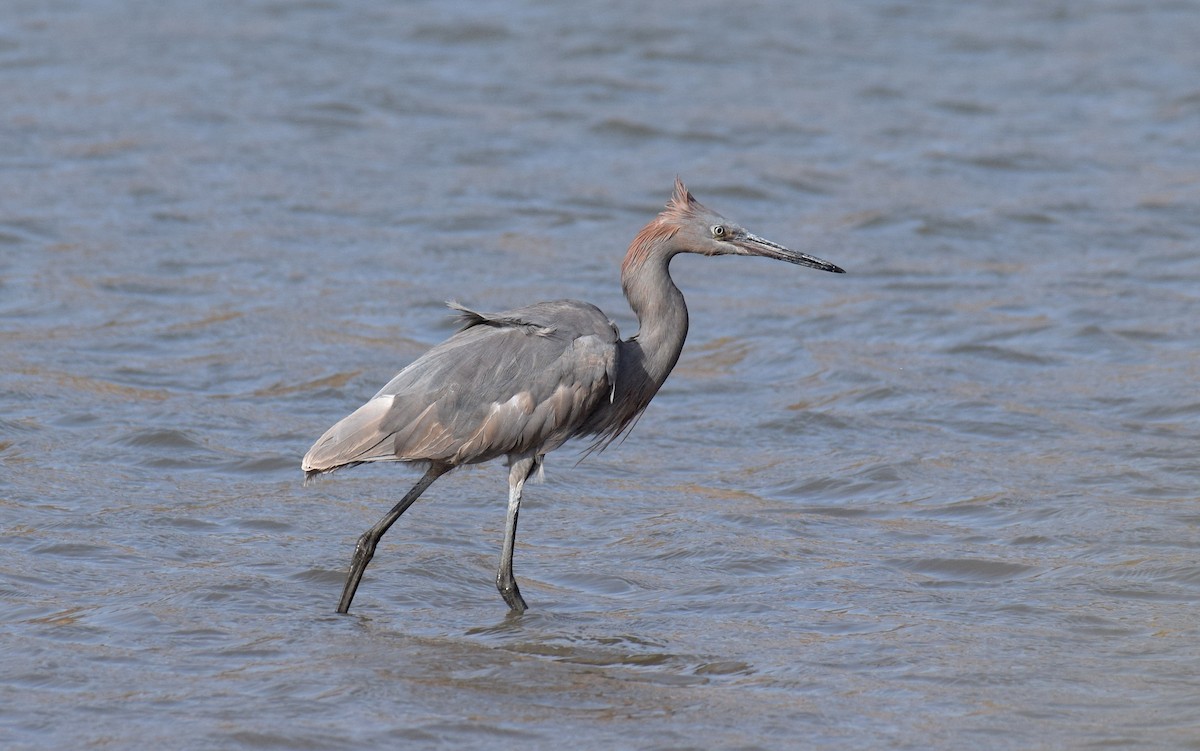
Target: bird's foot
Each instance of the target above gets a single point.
(364, 551)
(512, 596)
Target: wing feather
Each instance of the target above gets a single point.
(512, 382)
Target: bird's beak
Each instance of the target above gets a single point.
(753, 245)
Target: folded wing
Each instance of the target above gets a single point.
(513, 382)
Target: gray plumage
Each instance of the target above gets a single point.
(507, 383)
(521, 383)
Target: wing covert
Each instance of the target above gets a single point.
(523, 380)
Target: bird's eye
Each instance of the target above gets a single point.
(718, 231)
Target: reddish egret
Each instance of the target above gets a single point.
(520, 383)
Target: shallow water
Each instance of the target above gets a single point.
(947, 500)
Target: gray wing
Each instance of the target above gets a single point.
(512, 382)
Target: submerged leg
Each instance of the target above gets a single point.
(505, 581)
(365, 548)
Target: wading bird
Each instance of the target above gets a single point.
(521, 383)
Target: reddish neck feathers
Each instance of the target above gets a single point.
(662, 229)
(658, 232)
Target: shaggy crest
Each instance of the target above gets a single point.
(663, 227)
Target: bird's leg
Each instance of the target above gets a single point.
(505, 581)
(365, 549)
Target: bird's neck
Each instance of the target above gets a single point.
(662, 318)
(646, 359)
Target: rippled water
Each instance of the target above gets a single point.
(947, 500)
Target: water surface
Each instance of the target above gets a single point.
(947, 500)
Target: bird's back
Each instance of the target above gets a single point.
(520, 381)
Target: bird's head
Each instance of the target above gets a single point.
(691, 227)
